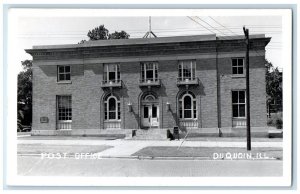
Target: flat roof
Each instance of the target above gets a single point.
(137, 41)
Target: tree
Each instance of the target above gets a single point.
(273, 82)
(98, 33)
(25, 94)
(119, 35)
(101, 33)
(81, 42)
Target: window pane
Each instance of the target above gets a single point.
(241, 96)
(195, 114)
(235, 111)
(234, 70)
(234, 62)
(64, 104)
(187, 114)
(142, 72)
(112, 104)
(242, 110)
(234, 96)
(240, 62)
(180, 70)
(187, 73)
(67, 69)
(112, 114)
(146, 112)
(112, 76)
(154, 112)
(240, 70)
(149, 74)
(61, 77)
(68, 77)
(187, 102)
(61, 69)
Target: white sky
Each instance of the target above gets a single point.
(70, 30)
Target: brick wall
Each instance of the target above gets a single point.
(257, 91)
(87, 94)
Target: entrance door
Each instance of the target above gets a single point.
(150, 117)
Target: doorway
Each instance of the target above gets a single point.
(150, 112)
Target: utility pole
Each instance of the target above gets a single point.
(246, 32)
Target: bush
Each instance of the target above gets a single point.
(278, 123)
(276, 120)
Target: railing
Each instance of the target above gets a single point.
(189, 124)
(150, 82)
(112, 124)
(64, 125)
(239, 122)
(111, 83)
(187, 81)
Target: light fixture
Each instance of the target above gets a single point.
(168, 106)
(129, 107)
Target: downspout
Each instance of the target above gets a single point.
(218, 90)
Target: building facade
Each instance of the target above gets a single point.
(119, 86)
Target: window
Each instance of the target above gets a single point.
(111, 73)
(187, 70)
(64, 112)
(112, 108)
(187, 106)
(238, 104)
(238, 66)
(149, 71)
(63, 73)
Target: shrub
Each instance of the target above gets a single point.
(276, 120)
(278, 123)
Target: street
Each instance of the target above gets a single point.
(36, 166)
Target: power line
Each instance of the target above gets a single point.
(210, 25)
(200, 24)
(221, 24)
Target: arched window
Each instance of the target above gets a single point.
(187, 106)
(112, 108)
(149, 98)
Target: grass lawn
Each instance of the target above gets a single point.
(170, 151)
(234, 139)
(69, 149)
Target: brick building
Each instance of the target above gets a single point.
(148, 85)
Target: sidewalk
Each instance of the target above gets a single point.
(126, 148)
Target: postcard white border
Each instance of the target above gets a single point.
(11, 85)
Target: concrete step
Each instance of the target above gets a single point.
(150, 134)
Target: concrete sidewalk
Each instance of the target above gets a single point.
(125, 148)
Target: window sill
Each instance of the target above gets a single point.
(188, 119)
(238, 76)
(64, 82)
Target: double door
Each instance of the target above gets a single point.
(150, 115)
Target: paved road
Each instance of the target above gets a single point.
(36, 166)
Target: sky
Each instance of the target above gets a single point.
(71, 30)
